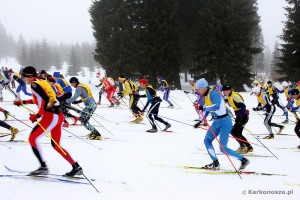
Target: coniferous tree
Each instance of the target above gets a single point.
(274, 75)
(289, 62)
(226, 41)
(74, 62)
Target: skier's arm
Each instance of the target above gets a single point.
(78, 92)
(215, 98)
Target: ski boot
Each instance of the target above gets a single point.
(77, 170)
(244, 164)
(14, 132)
(75, 120)
(167, 127)
(153, 130)
(98, 103)
(280, 130)
(213, 166)
(40, 171)
(285, 121)
(90, 134)
(112, 105)
(170, 106)
(6, 114)
(250, 149)
(271, 136)
(66, 124)
(95, 136)
(240, 149)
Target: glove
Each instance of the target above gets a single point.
(186, 92)
(33, 117)
(96, 85)
(238, 118)
(18, 103)
(77, 102)
(197, 124)
(120, 94)
(255, 109)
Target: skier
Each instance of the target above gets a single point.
(101, 90)
(110, 91)
(287, 91)
(152, 98)
(263, 86)
(84, 92)
(298, 86)
(67, 95)
(22, 84)
(3, 84)
(273, 91)
(222, 125)
(265, 104)
(217, 86)
(295, 94)
(236, 101)
(166, 88)
(3, 124)
(255, 84)
(132, 90)
(51, 120)
(60, 94)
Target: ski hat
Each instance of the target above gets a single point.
(191, 80)
(122, 78)
(74, 80)
(201, 84)
(294, 92)
(226, 87)
(298, 83)
(285, 83)
(269, 82)
(50, 79)
(29, 71)
(143, 81)
(255, 90)
(43, 72)
(256, 82)
(261, 81)
(98, 74)
(56, 74)
(10, 71)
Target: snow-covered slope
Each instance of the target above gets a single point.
(125, 166)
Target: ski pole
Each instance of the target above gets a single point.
(99, 123)
(220, 144)
(259, 141)
(60, 147)
(19, 120)
(189, 98)
(175, 102)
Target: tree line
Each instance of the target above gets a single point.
(220, 40)
(44, 55)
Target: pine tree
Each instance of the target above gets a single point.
(74, 62)
(225, 41)
(274, 75)
(289, 62)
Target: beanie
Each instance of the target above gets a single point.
(269, 82)
(143, 81)
(50, 79)
(43, 72)
(226, 87)
(74, 80)
(29, 72)
(202, 84)
(285, 83)
(191, 80)
(56, 74)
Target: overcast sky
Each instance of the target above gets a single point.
(69, 20)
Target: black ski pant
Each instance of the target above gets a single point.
(237, 130)
(270, 111)
(297, 128)
(153, 111)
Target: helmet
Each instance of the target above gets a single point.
(255, 82)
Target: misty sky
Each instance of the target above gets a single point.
(69, 20)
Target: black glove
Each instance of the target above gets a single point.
(255, 109)
(186, 92)
(77, 102)
(197, 124)
(61, 98)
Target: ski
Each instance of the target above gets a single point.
(294, 184)
(247, 155)
(213, 171)
(46, 178)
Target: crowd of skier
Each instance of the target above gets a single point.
(54, 98)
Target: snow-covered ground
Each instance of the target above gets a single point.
(122, 165)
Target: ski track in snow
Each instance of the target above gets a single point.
(125, 158)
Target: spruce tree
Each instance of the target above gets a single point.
(289, 62)
(74, 62)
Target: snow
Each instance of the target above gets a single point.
(127, 155)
